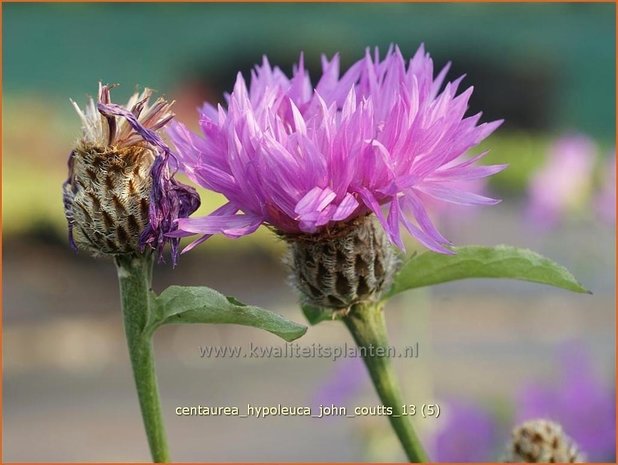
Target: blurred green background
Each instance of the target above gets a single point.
(545, 68)
(548, 69)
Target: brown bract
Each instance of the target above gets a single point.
(107, 197)
(341, 267)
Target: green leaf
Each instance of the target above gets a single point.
(502, 261)
(316, 315)
(178, 304)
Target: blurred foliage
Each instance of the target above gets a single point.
(524, 154)
(545, 68)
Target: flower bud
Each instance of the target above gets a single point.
(108, 194)
(542, 441)
(346, 264)
(107, 198)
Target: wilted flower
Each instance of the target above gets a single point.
(542, 441)
(561, 186)
(581, 402)
(312, 163)
(111, 203)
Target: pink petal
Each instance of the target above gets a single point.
(453, 195)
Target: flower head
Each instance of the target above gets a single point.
(113, 196)
(302, 159)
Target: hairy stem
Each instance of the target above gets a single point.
(134, 276)
(367, 326)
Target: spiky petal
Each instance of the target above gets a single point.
(301, 159)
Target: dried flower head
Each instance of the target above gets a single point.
(303, 159)
(108, 196)
(542, 441)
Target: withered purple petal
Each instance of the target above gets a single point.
(169, 201)
(169, 198)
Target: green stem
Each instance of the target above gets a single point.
(367, 325)
(134, 276)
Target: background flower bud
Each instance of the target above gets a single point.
(542, 441)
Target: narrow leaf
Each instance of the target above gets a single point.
(178, 304)
(502, 261)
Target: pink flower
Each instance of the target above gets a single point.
(562, 184)
(300, 158)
